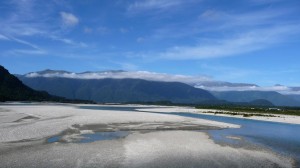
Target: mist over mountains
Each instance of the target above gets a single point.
(202, 82)
(248, 96)
(126, 86)
(119, 90)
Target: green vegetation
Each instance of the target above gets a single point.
(240, 113)
(253, 110)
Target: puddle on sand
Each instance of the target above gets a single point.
(87, 138)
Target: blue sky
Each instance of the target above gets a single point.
(249, 41)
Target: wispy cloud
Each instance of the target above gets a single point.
(154, 7)
(216, 21)
(69, 19)
(246, 42)
(32, 50)
(30, 20)
(24, 42)
(2, 37)
(142, 5)
(16, 27)
(20, 41)
(247, 20)
(24, 19)
(68, 41)
(22, 52)
(221, 34)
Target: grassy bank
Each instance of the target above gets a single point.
(257, 111)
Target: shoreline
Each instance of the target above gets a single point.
(288, 119)
(169, 141)
(20, 122)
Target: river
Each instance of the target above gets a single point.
(281, 138)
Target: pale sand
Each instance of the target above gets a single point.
(279, 118)
(149, 149)
(166, 149)
(36, 122)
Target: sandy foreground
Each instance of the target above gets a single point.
(155, 140)
(279, 118)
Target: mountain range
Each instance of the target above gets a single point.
(120, 86)
(110, 90)
(248, 96)
(12, 89)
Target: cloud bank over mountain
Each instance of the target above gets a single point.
(203, 82)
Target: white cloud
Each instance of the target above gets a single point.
(242, 88)
(69, 19)
(280, 89)
(202, 82)
(126, 74)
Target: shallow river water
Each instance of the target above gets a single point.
(282, 138)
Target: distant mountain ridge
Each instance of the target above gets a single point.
(84, 85)
(118, 90)
(248, 96)
(197, 81)
(12, 89)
